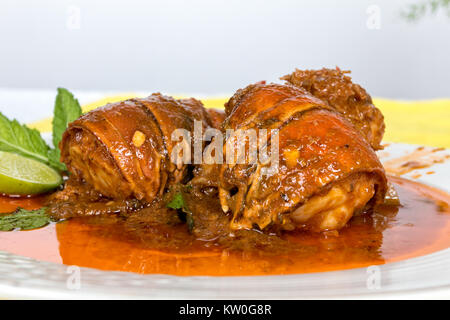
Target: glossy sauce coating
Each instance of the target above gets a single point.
(124, 149)
(318, 149)
(336, 88)
(420, 226)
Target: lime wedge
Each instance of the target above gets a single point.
(23, 176)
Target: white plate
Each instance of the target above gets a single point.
(422, 277)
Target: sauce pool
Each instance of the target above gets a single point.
(420, 226)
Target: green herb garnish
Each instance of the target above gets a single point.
(23, 219)
(18, 138)
(179, 203)
(67, 109)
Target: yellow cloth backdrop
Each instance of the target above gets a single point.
(417, 122)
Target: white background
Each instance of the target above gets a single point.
(216, 47)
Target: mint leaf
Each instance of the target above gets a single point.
(67, 109)
(23, 219)
(18, 138)
(177, 202)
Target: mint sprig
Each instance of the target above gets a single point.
(66, 110)
(178, 203)
(23, 219)
(18, 138)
